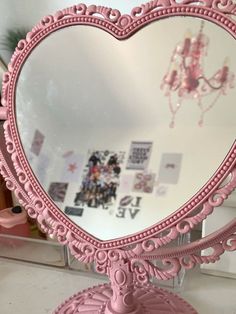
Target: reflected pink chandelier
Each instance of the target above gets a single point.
(185, 78)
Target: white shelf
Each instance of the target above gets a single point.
(39, 290)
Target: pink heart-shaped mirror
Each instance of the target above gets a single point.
(96, 122)
(125, 136)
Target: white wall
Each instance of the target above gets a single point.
(27, 13)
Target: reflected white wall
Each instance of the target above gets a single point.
(27, 13)
(106, 118)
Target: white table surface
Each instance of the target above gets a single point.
(30, 289)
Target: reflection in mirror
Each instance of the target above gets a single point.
(120, 134)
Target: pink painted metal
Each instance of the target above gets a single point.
(9, 220)
(3, 113)
(130, 291)
(122, 285)
(149, 300)
(126, 260)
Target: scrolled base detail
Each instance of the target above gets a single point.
(150, 300)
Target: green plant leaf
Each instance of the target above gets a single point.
(11, 39)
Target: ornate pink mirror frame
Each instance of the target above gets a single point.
(128, 260)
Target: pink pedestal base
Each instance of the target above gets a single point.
(149, 298)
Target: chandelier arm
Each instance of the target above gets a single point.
(209, 84)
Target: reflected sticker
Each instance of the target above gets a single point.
(129, 207)
(101, 178)
(57, 191)
(74, 211)
(68, 153)
(144, 182)
(126, 183)
(37, 142)
(161, 191)
(42, 166)
(170, 166)
(139, 155)
(73, 167)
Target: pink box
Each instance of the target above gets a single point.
(13, 221)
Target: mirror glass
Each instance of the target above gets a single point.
(121, 133)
